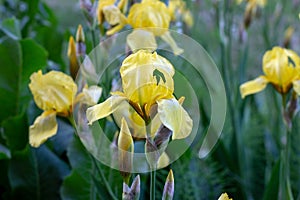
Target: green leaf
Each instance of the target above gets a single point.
(19, 61)
(81, 184)
(4, 152)
(16, 131)
(11, 27)
(271, 192)
(36, 174)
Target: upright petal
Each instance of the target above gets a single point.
(141, 39)
(104, 109)
(44, 126)
(253, 86)
(175, 118)
(89, 95)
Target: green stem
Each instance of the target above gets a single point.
(285, 187)
(152, 184)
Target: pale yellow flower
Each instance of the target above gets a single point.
(53, 93)
(155, 17)
(281, 68)
(147, 80)
(108, 11)
(177, 8)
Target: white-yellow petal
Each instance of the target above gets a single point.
(104, 109)
(254, 86)
(44, 127)
(90, 95)
(141, 39)
(175, 118)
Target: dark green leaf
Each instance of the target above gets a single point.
(16, 131)
(11, 27)
(36, 174)
(19, 61)
(4, 152)
(271, 192)
(82, 179)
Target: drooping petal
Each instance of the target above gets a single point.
(44, 127)
(254, 86)
(175, 118)
(53, 91)
(104, 109)
(141, 39)
(296, 86)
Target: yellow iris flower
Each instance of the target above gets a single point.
(178, 7)
(147, 81)
(155, 17)
(281, 67)
(53, 93)
(108, 11)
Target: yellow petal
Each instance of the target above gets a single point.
(101, 5)
(44, 126)
(152, 15)
(163, 161)
(224, 196)
(125, 141)
(147, 77)
(141, 39)
(281, 67)
(103, 109)
(169, 39)
(253, 86)
(175, 118)
(53, 91)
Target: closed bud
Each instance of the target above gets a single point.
(126, 149)
(287, 36)
(168, 192)
(224, 196)
(74, 65)
(132, 193)
(80, 42)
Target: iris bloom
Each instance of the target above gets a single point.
(178, 8)
(53, 93)
(147, 82)
(108, 11)
(281, 67)
(153, 16)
